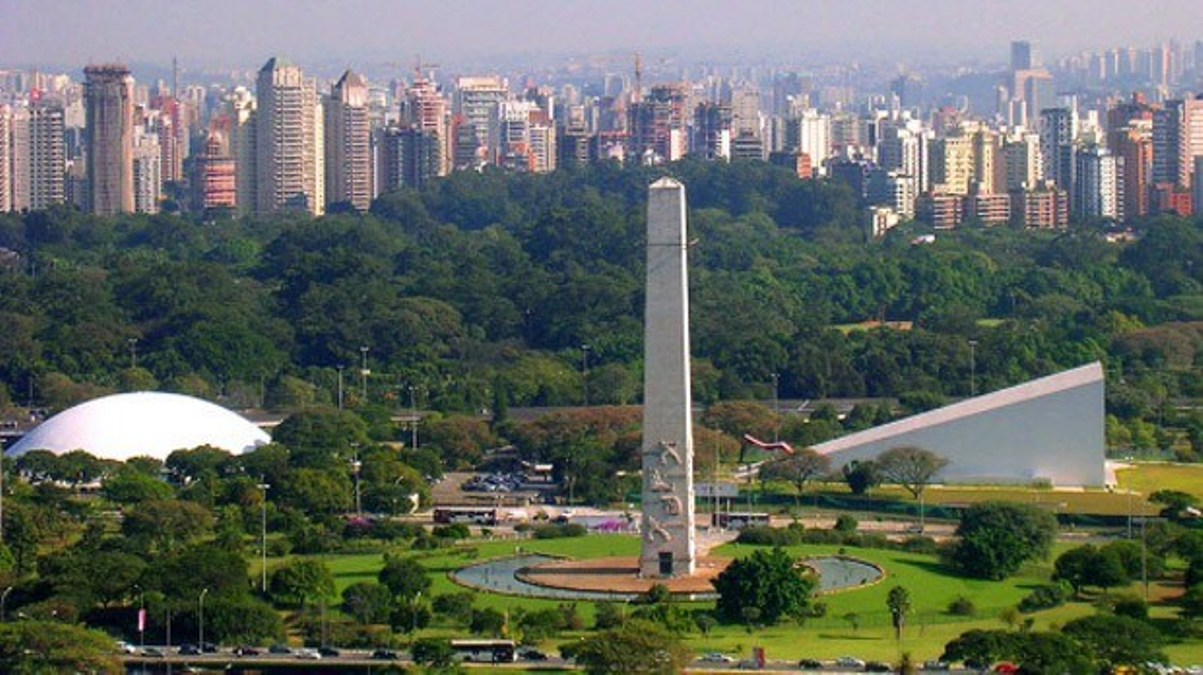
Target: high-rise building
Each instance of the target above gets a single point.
(477, 104)
(424, 108)
(37, 152)
(1097, 189)
(6, 160)
(148, 173)
(409, 157)
(902, 146)
(109, 93)
(242, 139)
(349, 144)
(214, 181)
(1023, 56)
(711, 132)
(657, 124)
(1134, 145)
(288, 155)
(1022, 166)
(1171, 147)
(952, 165)
(1197, 187)
(1058, 133)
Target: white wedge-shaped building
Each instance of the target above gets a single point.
(1046, 430)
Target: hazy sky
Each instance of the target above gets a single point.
(247, 32)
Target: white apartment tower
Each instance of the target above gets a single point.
(241, 109)
(1058, 132)
(477, 103)
(6, 160)
(1096, 192)
(348, 144)
(148, 173)
(288, 156)
(1022, 168)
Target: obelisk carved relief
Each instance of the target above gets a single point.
(668, 504)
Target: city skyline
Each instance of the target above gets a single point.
(225, 33)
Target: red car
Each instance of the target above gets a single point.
(1009, 668)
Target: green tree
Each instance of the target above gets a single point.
(980, 648)
(636, 647)
(1174, 502)
(320, 492)
(1117, 640)
(798, 469)
(899, 603)
(1191, 602)
(487, 621)
(1090, 566)
(234, 619)
(368, 602)
(54, 647)
(166, 523)
(433, 652)
(405, 577)
(455, 606)
(131, 486)
(301, 581)
(912, 468)
(767, 580)
(995, 538)
(861, 476)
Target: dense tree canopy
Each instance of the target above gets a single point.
(997, 537)
(767, 581)
(483, 286)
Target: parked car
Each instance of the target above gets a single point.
(152, 651)
(936, 665)
(532, 655)
(329, 652)
(209, 648)
(279, 649)
(385, 654)
(716, 657)
(850, 662)
(247, 650)
(810, 664)
(877, 667)
(189, 650)
(308, 654)
(126, 648)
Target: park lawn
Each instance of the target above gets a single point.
(929, 625)
(1148, 477)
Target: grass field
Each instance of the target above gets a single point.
(931, 588)
(1148, 477)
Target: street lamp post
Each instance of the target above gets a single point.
(585, 374)
(141, 618)
(776, 408)
(972, 368)
(413, 416)
(263, 533)
(3, 599)
(340, 386)
(200, 641)
(363, 373)
(133, 352)
(413, 614)
(356, 465)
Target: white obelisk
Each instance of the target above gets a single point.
(668, 518)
